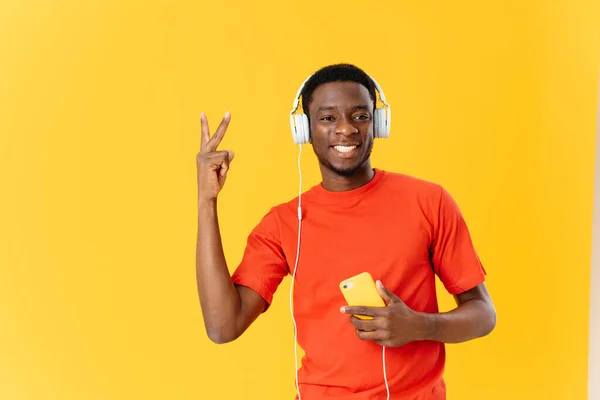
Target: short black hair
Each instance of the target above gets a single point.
(336, 73)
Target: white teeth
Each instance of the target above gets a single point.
(344, 149)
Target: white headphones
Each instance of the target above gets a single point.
(301, 129)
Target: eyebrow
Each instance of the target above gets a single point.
(358, 107)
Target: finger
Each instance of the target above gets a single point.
(370, 335)
(363, 324)
(216, 158)
(218, 154)
(362, 310)
(383, 342)
(204, 131)
(225, 164)
(219, 133)
(388, 297)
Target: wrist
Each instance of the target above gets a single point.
(428, 326)
(207, 203)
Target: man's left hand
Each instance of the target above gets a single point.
(391, 326)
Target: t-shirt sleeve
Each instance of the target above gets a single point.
(453, 256)
(263, 264)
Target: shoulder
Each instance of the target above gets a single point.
(282, 213)
(407, 184)
(428, 196)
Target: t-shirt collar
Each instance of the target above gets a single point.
(318, 194)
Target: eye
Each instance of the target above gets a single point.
(326, 118)
(363, 117)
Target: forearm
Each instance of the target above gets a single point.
(219, 298)
(470, 320)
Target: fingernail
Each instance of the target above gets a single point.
(343, 309)
(379, 283)
(227, 114)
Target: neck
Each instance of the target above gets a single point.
(338, 183)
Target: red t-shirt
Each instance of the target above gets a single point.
(402, 230)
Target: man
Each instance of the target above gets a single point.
(402, 230)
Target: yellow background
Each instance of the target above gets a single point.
(99, 127)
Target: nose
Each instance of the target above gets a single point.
(345, 127)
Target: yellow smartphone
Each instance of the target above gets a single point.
(360, 290)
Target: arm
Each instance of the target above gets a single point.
(227, 309)
(456, 263)
(474, 317)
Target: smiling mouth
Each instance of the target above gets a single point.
(345, 149)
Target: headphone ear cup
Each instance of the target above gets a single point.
(382, 123)
(302, 132)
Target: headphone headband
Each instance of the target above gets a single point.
(299, 93)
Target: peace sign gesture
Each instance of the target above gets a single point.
(212, 164)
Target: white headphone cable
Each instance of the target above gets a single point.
(387, 386)
(294, 273)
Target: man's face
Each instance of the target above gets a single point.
(341, 126)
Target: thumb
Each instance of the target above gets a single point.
(225, 165)
(389, 297)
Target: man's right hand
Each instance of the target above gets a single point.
(212, 164)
